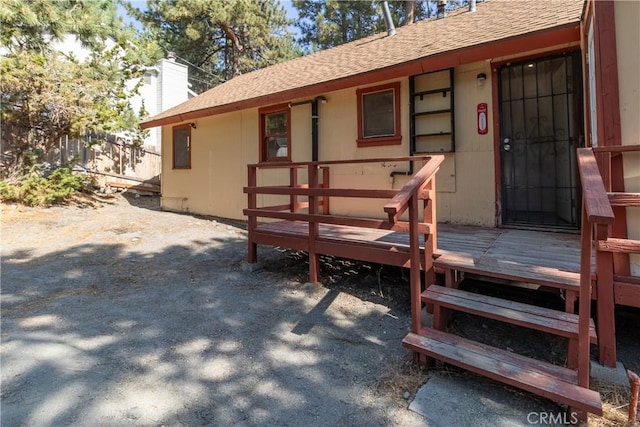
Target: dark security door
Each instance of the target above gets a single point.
(540, 128)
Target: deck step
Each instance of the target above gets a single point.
(541, 378)
(510, 270)
(530, 316)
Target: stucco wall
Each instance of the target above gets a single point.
(465, 183)
(468, 177)
(219, 153)
(627, 16)
(223, 145)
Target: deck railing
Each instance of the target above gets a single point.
(604, 230)
(597, 217)
(318, 191)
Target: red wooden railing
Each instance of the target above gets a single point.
(319, 193)
(603, 213)
(597, 216)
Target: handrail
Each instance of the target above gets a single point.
(597, 218)
(595, 196)
(278, 165)
(400, 202)
(616, 149)
(335, 192)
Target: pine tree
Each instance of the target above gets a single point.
(325, 24)
(222, 38)
(46, 94)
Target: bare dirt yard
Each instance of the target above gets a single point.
(116, 313)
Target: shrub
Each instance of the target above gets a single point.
(34, 190)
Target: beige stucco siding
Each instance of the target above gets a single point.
(627, 16)
(470, 181)
(223, 145)
(465, 183)
(219, 153)
(338, 132)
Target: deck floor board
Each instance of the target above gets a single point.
(489, 246)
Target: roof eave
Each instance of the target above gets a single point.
(555, 36)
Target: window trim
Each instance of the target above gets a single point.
(374, 141)
(173, 145)
(262, 146)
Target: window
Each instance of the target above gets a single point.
(379, 115)
(275, 133)
(182, 147)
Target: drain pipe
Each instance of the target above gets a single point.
(412, 131)
(314, 122)
(314, 126)
(634, 381)
(391, 29)
(314, 130)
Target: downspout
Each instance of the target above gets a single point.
(314, 122)
(314, 130)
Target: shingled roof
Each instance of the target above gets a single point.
(340, 67)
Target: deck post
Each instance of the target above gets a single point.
(431, 239)
(314, 228)
(414, 251)
(325, 184)
(584, 310)
(252, 181)
(605, 309)
(293, 183)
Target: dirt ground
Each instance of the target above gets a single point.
(115, 313)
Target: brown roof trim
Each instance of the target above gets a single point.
(569, 33)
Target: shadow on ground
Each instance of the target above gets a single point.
(167, 329)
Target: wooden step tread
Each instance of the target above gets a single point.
(530, 316)
(550, 381)
(546, 276)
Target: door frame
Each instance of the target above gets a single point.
(495, 109)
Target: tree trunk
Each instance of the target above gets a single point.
(409, 11)
(237, 48)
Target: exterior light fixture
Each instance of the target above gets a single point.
(481, 79)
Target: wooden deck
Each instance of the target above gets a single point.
(555, 254)
(556, 260)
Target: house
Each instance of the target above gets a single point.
(467, 55)
(116, 161)
(164, 85)
(500, 99)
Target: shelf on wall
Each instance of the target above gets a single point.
(432, 118)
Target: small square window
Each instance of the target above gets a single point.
(379, 115)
